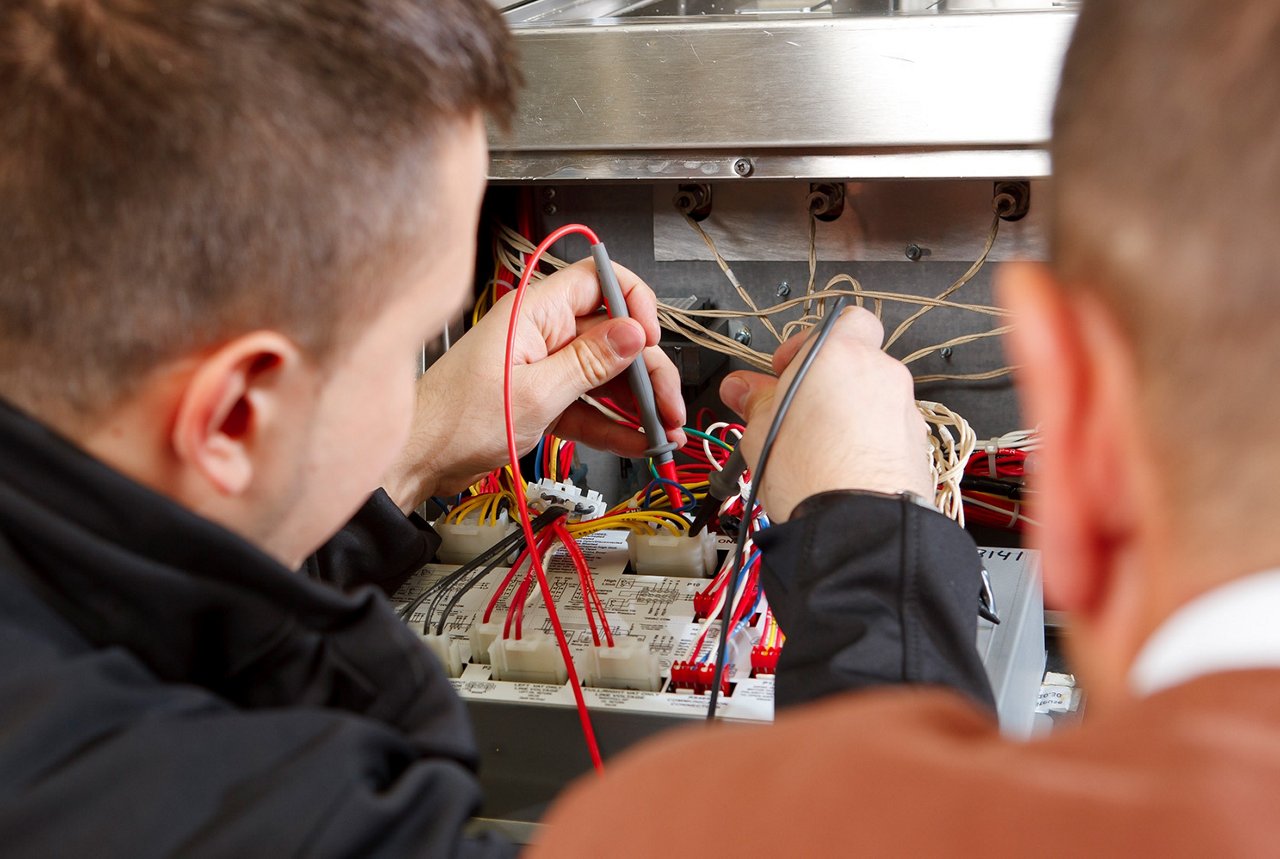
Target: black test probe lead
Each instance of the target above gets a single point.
(757, 476)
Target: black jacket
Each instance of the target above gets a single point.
(168, 690)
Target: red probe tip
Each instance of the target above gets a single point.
(667, 471)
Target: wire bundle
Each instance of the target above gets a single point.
(510, 245)
(994, 483)
(951, 439)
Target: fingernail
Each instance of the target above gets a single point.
(733, 391)
(626, 338)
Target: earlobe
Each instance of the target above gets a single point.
(229, 397)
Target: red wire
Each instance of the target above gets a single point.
(493, 600)
(516, 609)
(522, 505)
(613, 406)
(497, 594)
(566, 459)
(590, 596)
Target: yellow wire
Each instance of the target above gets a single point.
(639, 521)
(465, 508)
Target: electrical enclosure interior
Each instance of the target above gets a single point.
(899, 123)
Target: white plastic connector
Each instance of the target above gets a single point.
(482, 637)
(629, 664)
(582, 504)
(531, 659)
(460, 542)
(667, 554)
(449, 652)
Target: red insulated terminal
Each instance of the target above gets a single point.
(698, 677)
(703, 604)
(667, 471)
(764, 660)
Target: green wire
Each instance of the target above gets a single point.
(699, 434)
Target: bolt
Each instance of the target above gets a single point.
(946, 353)
(783, 290)
(743, 167)
(549, 209)
(914, 252)
(743, 336)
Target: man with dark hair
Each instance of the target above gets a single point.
(228, 226)
(1144, 350)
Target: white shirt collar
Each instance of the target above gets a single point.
(1229, 628)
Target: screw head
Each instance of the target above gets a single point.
(914, 252)
(550, 209)
(743, 336)
(549, 193)
(743, 167)
(783, 290)
(946, 353)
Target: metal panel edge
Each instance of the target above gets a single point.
(507, 166)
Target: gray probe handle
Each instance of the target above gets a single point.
(638, 372)
(723, 483)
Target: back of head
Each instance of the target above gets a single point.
(172, 174)
(1166, 159)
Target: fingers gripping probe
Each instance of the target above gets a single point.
(638, 378)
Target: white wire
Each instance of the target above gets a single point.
(603, 409)
(706, 445)
(1015, 515)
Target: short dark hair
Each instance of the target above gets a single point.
(1166, 161)
(172, 173)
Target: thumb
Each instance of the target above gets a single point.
(747, 392)
(595, 357)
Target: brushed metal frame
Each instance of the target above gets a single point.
(960, 95)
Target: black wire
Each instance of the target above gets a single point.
(512, 542)
(457, 595)
(471, 583)
(460, 592)
(757, 476)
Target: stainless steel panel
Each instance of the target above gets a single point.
(512, 166)
(685, 11)
(945, 81)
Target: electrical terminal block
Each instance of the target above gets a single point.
(449, 652)
(482, 638)
(581, 503)
(703, 605)
(462, 541)
(698, 677)
(764, 660)
(666, 554)
(531, 659)
(628, 664)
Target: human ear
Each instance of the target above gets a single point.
(227, 405)
(1077, 383)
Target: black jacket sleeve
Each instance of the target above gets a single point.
(110, 763)
(872, 590)
(380, 546)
